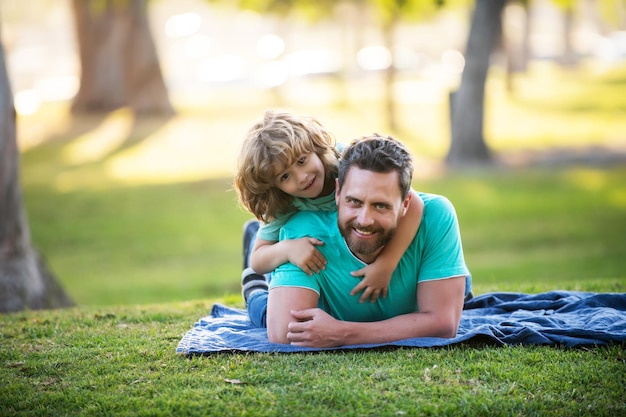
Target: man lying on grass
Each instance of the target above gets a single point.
(427, 290)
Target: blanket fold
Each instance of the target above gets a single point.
(566, 318)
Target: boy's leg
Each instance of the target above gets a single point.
(257, 308)
(468, 288)
(254, 287)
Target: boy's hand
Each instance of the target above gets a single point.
(373, 283)
(304, 254)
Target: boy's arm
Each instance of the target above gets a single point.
(377, 275)
(267, 255)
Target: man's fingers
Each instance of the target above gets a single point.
(296, 329)
(297, 339)
(302, 315)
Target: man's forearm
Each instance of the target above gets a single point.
(441, 305)
(398, 328)
(316, 328)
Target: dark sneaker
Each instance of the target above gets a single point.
(249, 232)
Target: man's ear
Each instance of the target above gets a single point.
(406, 203)
(337, 191)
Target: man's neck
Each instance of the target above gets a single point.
(368, 259)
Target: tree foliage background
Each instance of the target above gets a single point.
(123, 61)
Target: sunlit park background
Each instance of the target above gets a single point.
(132, 210)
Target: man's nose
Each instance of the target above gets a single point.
(365, 217)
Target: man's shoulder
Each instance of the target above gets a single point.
(438, 210)
(435, 202)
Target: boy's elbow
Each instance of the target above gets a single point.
(256, 265)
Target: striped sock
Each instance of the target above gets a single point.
(252, 282)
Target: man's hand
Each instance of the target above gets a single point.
(314, 328)
(304, 254)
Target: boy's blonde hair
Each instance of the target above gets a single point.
(279, 139)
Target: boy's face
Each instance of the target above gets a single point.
(304, 178)
(369, 207)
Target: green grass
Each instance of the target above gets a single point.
(120, 361)
(537, 230)
(142, 244)
(146, 238)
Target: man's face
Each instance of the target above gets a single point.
(369, 207)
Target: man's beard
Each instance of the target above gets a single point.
(365, 247)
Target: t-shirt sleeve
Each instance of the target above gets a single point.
(443, 251)
(271, 231)
(289, 275)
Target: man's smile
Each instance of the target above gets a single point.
(363, 232)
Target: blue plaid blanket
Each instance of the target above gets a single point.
(565, 318)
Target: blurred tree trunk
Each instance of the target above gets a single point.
(467, 104)
(25, 281)
(516, 39)
(568, 8)
(119, 63)
(391, 13)
(569, 58)
(390, 73)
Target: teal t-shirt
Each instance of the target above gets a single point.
(271, 231)
(435, 253)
